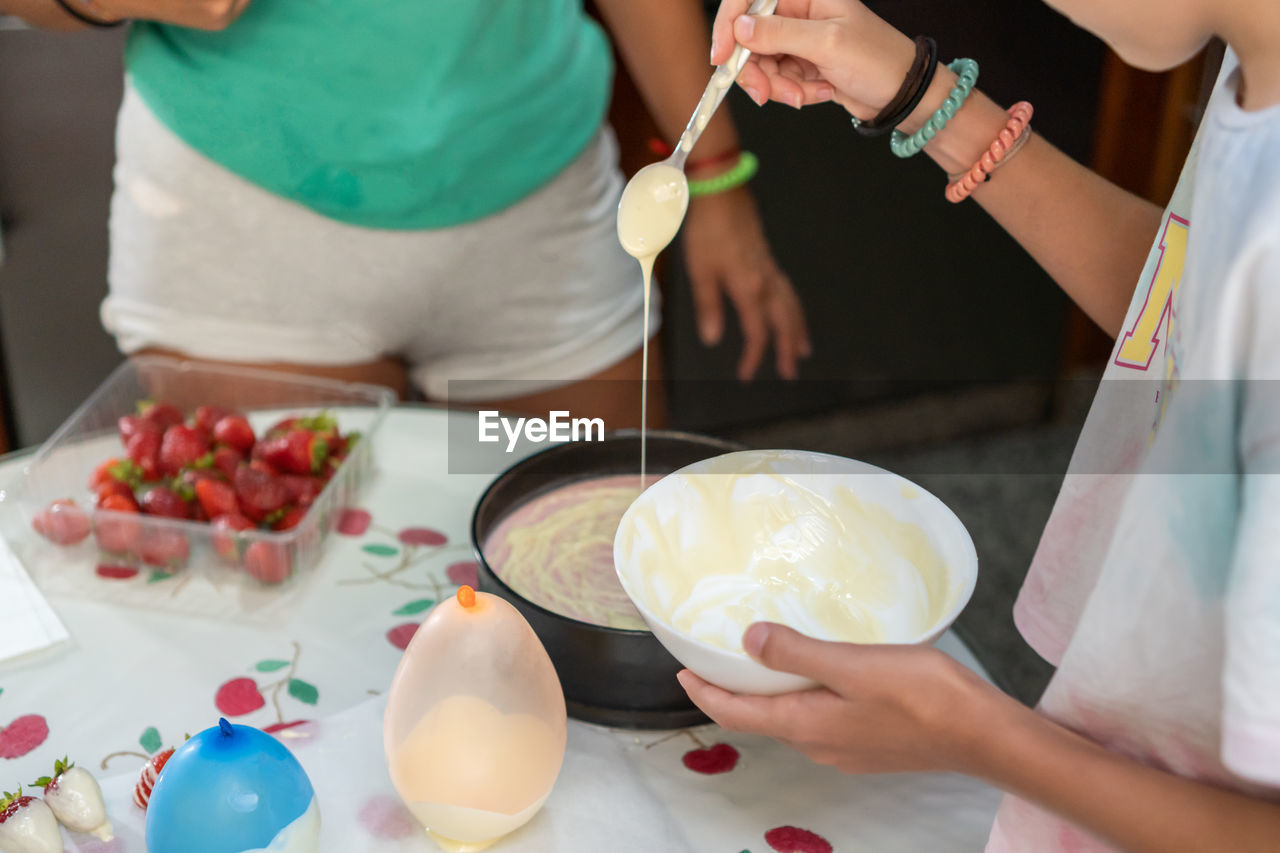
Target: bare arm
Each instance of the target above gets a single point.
(1136, 808)
(1089, 234)
(197, 14)
(664, 44)
(885, 709)
(45, 14)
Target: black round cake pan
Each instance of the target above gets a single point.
(611, 676)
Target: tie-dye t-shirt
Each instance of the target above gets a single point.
(1156, 586)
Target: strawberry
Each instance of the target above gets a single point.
(289, 518)
(147, 778)
(143, 448)
(162, 415)
(27, 825)
(75, 799)
(268, 562)
(303, 491)
(165, 502)
(262, 465)
(258, 492)
(226, 541)
(321, 423)
(279, 428)
(296, 452)
(227, 460)
(182, 446)
(207, 417)
(216, 498)
(234, 431)
(119, 534)
(121, 470)
(164, 548)
(118, 497)
(113, 487)
(62, 522)
(131, 425)
(185, 484)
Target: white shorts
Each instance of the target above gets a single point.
(206, 263)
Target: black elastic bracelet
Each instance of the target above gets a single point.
(914, 85)
(85, 19)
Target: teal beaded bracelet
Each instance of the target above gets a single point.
(967, 72)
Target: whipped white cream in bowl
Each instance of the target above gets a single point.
(836, 549)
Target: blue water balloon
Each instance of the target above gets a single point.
(229, 789)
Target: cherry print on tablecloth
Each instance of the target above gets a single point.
(400, 635)
(353, 522)
(385, 817)
(150, 741)
(23, 735)
(119, 573)
(415, 546)
(465, 573)
(422, 536)
(115, 572)
(717, 758)
(243, 695)
(238, 697)
(793, 839)
(707, 759)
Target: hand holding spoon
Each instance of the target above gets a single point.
(655, 200)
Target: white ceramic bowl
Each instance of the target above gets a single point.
(821, 472)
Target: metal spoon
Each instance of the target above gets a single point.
(660, 191)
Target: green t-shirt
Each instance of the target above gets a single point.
(394, 114)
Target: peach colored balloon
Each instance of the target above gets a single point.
(474, 731)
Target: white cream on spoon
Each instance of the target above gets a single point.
(655, 200)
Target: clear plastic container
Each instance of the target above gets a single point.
(210, 583)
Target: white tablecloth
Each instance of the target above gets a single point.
(133, 679)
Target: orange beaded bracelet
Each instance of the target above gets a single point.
(1005, 145)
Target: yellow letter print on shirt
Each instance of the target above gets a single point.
(1143, 337)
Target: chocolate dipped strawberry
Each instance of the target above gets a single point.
(27, 825)
(147, 778)
(75, 799)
